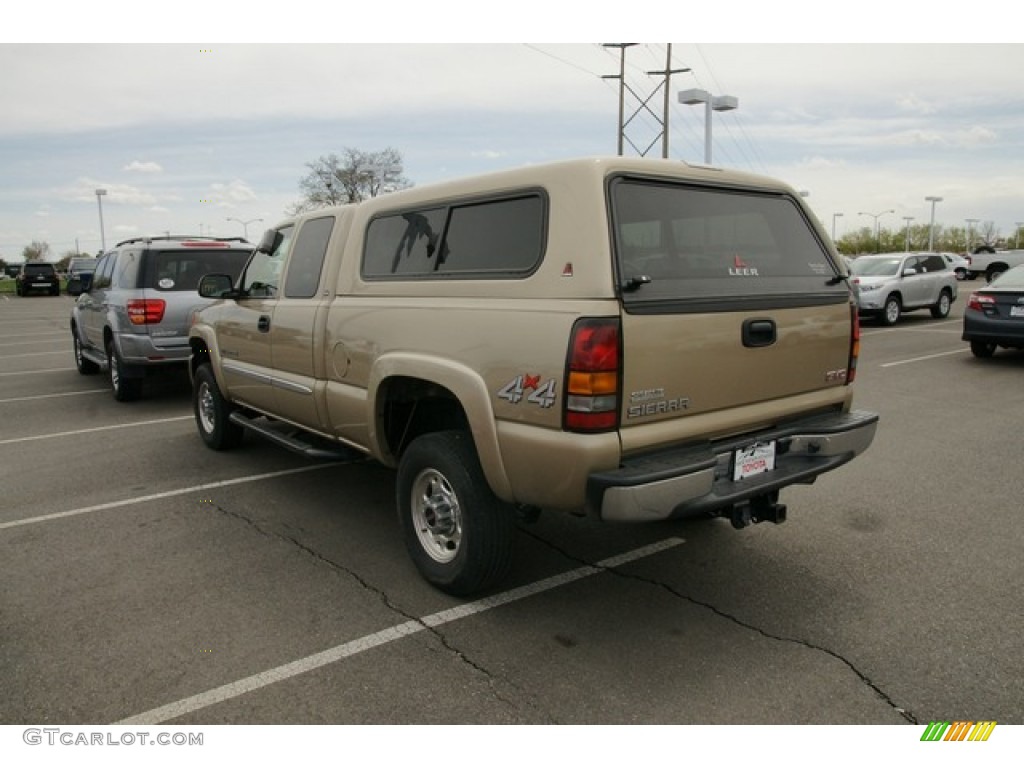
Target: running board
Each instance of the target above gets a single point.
(292, 441)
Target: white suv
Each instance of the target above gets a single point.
(889, 284)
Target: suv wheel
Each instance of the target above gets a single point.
(458, 533)
(983, 348)
(84, 366)
(941, 308)
(125, 388)
(212, 411)
(891, 311)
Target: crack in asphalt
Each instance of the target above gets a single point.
(901, 711)
(492, 678)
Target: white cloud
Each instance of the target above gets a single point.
(143, 167)
(228, 195)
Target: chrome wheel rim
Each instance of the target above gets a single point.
(78, 351)
(207, 408)
(892, 311)
(436, 516)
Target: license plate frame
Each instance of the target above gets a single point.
(1017, 310)
(753, 460)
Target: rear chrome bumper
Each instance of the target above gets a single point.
(698, 479)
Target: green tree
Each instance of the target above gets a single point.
(350, 178)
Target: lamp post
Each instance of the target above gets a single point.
(834, 217)
(99, 201)
(245, 224)
(878, 244)
(931, 225)
(711, 103)
(908, 219)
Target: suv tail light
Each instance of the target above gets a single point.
(146, 311)
(592, 375)
(851, 364)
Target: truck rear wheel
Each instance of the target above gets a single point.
(458, 533)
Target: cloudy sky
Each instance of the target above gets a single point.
(189, 137)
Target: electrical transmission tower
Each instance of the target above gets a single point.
(643, 103)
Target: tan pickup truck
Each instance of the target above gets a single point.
(632, 339)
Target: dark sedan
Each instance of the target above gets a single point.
(995, 314)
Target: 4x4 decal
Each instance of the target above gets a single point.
(542, 395)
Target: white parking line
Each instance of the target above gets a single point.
(50, 435)
(385, 636)
(924, 357)
(56, 394)
(40, 370)
(8, 356)
(61, 334)
(155, 496)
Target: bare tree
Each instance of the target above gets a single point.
(36, 251)
(351, 178)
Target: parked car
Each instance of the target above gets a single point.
(134, 311)
(960, 265)
(77, 267)
(37, 276)
(889, 284)
(995, 314)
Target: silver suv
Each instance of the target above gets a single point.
(133, 313)
(889, 284)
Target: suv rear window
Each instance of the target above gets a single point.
(41, 268)
(708, 249)
(181, 270)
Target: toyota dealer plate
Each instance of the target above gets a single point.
(753, 460)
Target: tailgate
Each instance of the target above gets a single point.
(679, 365)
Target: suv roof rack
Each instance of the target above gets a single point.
(151, 238)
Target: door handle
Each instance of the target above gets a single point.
(758, 332)
(263, 324)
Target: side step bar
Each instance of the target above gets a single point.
(294, 441)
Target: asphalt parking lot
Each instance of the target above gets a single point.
(147, 579)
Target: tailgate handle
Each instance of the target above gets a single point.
(263, 324)
(758, 332)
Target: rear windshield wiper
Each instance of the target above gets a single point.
(635, 281)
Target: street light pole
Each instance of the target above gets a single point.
(711, 103)
(834, 217)
(245, 224)
(99, 201)
(878, 244)
(931, 225)
(908, 219)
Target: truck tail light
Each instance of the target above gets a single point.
(146, 311)
(592, 376)
(851, 364)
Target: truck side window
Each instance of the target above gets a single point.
(307, 259)
(262, 276)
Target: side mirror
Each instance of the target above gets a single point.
(909, 272)
(216, 286)
(270, 240)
